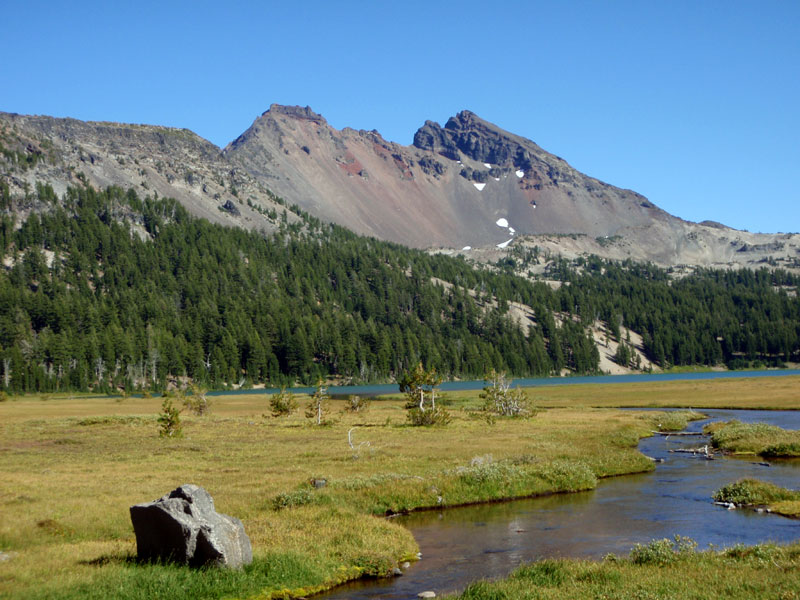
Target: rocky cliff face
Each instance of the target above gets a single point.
(151, 159)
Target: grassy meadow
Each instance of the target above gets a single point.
(71, 466)
(660, 569)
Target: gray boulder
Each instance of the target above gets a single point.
(183, 527)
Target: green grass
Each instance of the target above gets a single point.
(676, 420)
(70, 533)
(752, 492)
(766, 440)
(662, 569)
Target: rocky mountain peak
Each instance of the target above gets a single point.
(468, 135)
(296, 112)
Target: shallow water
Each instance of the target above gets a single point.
(455, 386)
(461, 545)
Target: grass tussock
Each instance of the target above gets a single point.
(752, 492)
(59, 515)
(660, 569)
(674, 420)
(766, 440)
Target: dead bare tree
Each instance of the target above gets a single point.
(6, 372)
(355, 448)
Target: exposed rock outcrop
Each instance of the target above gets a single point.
(184, 527)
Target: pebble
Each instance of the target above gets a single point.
(396, 572)
(405, 565)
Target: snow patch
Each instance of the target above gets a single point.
(506, 243)
(479, 186)
(487, 165)
(497, 179)
(511, 230)
(501, 222)
(466, 248)
(520, 174)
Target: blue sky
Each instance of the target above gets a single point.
(693, 104)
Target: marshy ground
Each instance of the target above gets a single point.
(71, 466)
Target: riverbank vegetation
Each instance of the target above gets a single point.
(676, 420)
(761, 494)
(661, 569)
(769, 441)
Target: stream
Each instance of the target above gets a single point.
(461, 545)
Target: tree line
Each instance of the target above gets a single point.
(106, 290)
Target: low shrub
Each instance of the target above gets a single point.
(169, 420)
(782, 450)
(282, 403)
(356, 404)
(299, 497)
(754, 438)
(663, 552)
(754, 492)
(431, 417)
(674, 420)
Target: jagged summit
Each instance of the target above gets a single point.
(468, 183)
(466, 134)
(297, 112)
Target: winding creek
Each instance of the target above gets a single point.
(461, 545)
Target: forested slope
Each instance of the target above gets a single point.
(138, 292)
(106, 290)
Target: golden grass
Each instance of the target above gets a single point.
(70, 467)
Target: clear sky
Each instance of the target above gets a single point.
(692, 103)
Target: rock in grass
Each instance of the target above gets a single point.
(426, 595)
(183, 527)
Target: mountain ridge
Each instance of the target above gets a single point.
(466, 187)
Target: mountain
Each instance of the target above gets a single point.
(473, 184)
(448, 189)
(466, 187)
(153, 160)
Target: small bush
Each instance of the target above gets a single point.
(663, 552)
(431, 417)
(299, 497)
(500, 399)
(567, 475)
(674, 420)
(754, 492)
(782, 450)
(3, 396)
(169, 420)
(282, 403)
(356, 404)
(486, 472)
(197, 402)
(760, 552)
